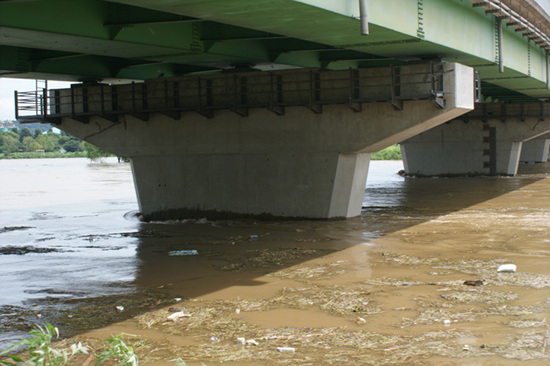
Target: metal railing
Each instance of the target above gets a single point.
(236, 92)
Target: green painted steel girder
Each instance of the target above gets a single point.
(139, 39)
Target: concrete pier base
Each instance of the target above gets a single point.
(307, 162)
(482, 142)
(264, 184)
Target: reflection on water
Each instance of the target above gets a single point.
(69, 239)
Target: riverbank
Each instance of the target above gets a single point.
(390, 153)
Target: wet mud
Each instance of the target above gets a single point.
(413, 282)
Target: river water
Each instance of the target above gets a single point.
(73, 252)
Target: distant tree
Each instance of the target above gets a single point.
(10, 143)
(55, 139)
(46, 141)
(30, 145)
(390, 153)
(10, 133)
(95, 153)
(72, 145)
(63, 139)
(24, 132)
(37, 132)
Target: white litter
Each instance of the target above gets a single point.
(286, 349)
(252, 342)
(120, 308)
(241, 341)
(178, 315)
(507, 268)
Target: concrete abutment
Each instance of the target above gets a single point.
(296, 164)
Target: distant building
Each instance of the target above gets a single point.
(6, 125)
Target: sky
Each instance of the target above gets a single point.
(545, 4)
(7, 87)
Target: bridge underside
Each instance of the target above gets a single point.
(120, 40)
(303, 154)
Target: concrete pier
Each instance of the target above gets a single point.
(487, 141)
(535, 150)
(305, 156)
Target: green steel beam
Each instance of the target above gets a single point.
(137, 39)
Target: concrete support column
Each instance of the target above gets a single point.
(450, 149)
(510, 151)
(471, 146)
(313, 185)
(536, 150)
(349, 185)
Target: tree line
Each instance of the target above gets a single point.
(22, 143)
(24, 140)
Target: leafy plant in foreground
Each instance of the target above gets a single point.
(120, 351)
(40, 350)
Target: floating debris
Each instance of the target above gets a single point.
(273, 257)
(252, 342)
(473, 283)
(507, 268)
(178, 315)
(286, 349)
(173, 253)
(6, 229)
(13, 250)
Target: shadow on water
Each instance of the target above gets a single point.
(233, 254)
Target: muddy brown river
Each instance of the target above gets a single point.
(412, 281)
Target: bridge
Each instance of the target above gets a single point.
(272, 108)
